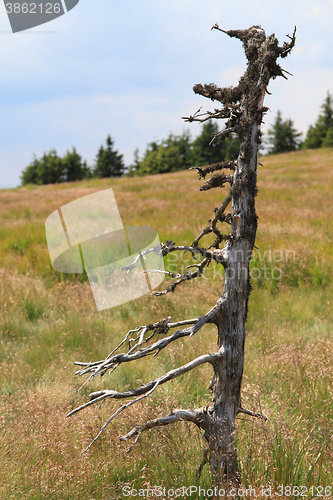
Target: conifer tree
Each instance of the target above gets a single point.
(74, 168)
(51, 169)
(205, 151)
(29, 174)
(47, 170)
(109, 163)
(171, 155)
(282, 136)
(316, 135)
(328, 141)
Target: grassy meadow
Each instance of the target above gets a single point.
(48, 320)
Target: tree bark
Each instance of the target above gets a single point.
(231, 318)
(219, 424)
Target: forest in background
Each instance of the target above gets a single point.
(177, 152)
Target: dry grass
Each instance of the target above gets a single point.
(48, 320)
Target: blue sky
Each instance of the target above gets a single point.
(127, 68)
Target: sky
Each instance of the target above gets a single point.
(127, 68)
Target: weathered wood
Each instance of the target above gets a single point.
(219, 425)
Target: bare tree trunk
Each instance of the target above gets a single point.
(231, 318)
(245, 120)
(243, 109)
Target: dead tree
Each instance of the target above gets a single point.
(243, 109)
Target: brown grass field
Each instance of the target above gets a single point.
(49, 320)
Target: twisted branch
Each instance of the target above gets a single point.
(212, 227)
(205, 252)
(208, 169)
(226, 112)
(144, 390)
(217, 180)
(252, 413)
(287, 46)
(113, 360)
(185, 277)
(175, 416)
(223, 133)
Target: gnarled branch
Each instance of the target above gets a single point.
(217, 180)
(145, 390)
(252, 413)
(113, 360)
(223, 133)
(212, 228)
(226, 95)
(175, 416)
(225, 112)
(185, 277)
(208, 169)
(288, 46)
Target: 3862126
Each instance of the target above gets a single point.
(33, 8)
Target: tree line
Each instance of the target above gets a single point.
(52, 169)
(283, 137)
(177, 152)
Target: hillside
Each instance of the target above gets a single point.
(49, 320)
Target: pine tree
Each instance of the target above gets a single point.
(282, 136)
(179, 152)
(328, 141)
(206, 152)
(74, 168)
(316, 135)
(326, 118)
(29, 174)
(51, 169)
(171, 155)
(109, 163)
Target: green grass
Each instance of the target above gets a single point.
(48, 320)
